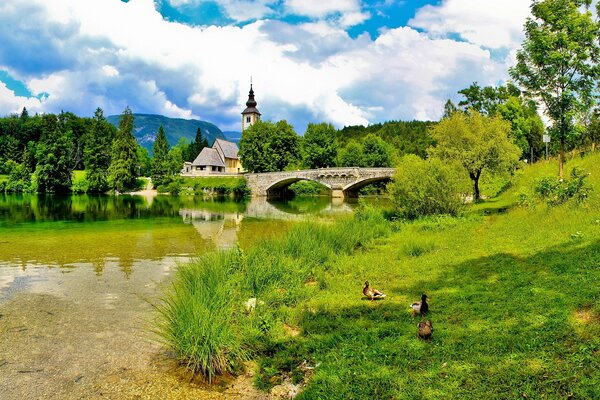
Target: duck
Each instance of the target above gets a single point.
(420, 307)
(372, 293)
(425, 329)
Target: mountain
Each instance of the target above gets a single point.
(233, 136)
(146, 127)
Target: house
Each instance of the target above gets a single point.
(221, 158)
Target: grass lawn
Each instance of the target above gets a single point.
(514, 299)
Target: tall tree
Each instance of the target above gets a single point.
(556, 62)
(161, 168)
(318, 146)
(477, 142)
(96, 154)
(351, 155)
(123, 165)
(268, 146)
(53, 169)
(449, 109)
(196, 146)
(487, 99)
(376, 152)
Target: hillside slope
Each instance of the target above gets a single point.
(146, 127)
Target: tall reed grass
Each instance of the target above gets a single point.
(204, 318)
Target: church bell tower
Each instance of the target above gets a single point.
(250, 115)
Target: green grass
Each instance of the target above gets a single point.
(220, 185)
(514, 298)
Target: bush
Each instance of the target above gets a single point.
(558, 191)
(80, 182)
(198, 318)
(307, 188)
(204, 318)
(427, 187)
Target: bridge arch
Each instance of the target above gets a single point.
(278, 187)
(341, 181)
(353, 188)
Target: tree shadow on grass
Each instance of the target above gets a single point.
(504, 326)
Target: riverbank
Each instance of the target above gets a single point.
(513, 288)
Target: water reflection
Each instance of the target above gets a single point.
(95, 231)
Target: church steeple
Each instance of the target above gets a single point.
(251, 114)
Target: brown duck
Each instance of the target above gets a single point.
(425, 329)
(372, 293)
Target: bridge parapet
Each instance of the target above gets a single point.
(343, 182)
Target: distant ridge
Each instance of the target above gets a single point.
(233, 136)
(146, 127)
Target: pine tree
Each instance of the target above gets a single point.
(98, 143)
(122, 170)
(53, 172)
(161, 169)
(196, 146)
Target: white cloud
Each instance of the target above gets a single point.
(109, 70)
(320, 8)
(239, 10)
(11, 103)
(489, 23)
(304, 73)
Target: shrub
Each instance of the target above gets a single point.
(204, 319)
(306, 188)
(557, 191)
(80, 183)
(198, 318)
(427, 187)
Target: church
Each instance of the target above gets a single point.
(222, 158)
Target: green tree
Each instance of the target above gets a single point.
(144, 161)
(376, 152)
(175, 160)
(449, 109)
(593, 130)
(268, 146)
(556, 62)
(53, 170)
(97, 149)
(486, 100)
(124, 163)
(527, 127)
(477, 142)
(161, 167)
(195, 147)
(318, 146)
(351, 155)
(427, 187)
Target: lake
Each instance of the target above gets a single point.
(79, 276)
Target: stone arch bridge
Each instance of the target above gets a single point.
(343, 182)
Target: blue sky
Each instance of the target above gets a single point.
(341, 61)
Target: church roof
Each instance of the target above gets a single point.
(209, 156)
(229, 149)
(251, 103)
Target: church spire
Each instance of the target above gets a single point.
(251, 114)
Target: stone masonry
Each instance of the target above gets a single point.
(343, 182)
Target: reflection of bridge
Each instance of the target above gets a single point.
(343, 182)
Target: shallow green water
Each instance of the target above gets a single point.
(79, 275)
(118, 234)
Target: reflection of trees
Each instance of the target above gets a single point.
(302, 205)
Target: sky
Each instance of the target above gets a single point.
(345, 62)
